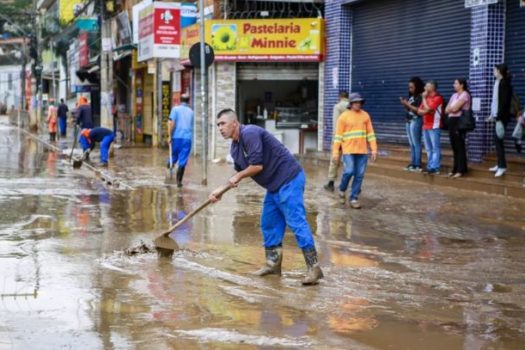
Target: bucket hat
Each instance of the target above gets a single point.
(355, 97)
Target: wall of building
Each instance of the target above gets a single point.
(487, 35)
(10, 88)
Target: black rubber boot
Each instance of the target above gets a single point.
(314, 272)
(180, 175)
(274, 259)
(329, 186)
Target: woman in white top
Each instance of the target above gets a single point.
(458, 103)
(500, 111)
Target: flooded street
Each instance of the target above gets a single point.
(419, 267)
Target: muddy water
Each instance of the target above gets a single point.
(417, 268)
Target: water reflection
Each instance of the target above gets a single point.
(394, 279)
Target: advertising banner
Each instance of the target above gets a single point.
(68, 9)
(190, 36)
(159, 31)
(83, 49)
(188, 14)
(270, 40)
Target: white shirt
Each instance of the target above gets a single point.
(494, 104)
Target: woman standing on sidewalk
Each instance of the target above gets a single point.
(500, 111)
(414, 123)
(459, 102)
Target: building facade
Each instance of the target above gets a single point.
(374, 47)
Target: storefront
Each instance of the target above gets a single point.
(142, 101)
(273, 66)
(283, 98)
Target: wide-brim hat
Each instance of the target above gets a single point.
(355, 97)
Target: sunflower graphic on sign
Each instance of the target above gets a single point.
(224, 37)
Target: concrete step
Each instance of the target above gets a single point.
(478, 180)
(475, 170)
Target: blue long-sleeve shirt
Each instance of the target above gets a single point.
(84, 117)
(256, 146)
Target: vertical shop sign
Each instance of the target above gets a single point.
(83, 49)
(139, 104)
(166, 107)
(159, 31)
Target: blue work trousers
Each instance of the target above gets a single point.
(286, 207)
(180, 151)
(62, 123)
(104, 148)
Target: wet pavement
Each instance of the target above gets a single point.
(418, 267)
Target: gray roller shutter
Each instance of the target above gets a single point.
(395, 40)
(277, 71)
(515, 55)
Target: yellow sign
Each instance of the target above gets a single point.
(135, 64)
(68, 8)
(294, 39)
(189, 37)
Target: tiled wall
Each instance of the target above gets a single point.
(337, 61)
(487, 34)
(221, 95)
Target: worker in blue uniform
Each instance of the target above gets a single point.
(88, 138)
(180, 131)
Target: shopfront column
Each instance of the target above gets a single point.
(487, 38)
(337, 65)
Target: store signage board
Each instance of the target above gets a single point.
(159, 31)
(136, 12)
(83, 51)
(476, 3)
(270, 40)
(190, 36)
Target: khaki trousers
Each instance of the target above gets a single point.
(333, 168)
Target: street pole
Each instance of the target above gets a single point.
(53, 73)
(204, 96)
(22, 80)
(40, 68)
(106, 73)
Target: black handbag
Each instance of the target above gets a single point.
(466, 121)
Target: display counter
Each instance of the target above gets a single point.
(297, 140)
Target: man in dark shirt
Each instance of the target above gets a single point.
(62, 117)
(88, 138)
(259, 155)
(84, 117)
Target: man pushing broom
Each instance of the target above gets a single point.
(259, 155)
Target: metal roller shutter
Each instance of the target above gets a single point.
(277, 71)
(515, 54)
(515, 45)
(395, 40)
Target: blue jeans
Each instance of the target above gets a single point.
(433, 148)
(286, 207)
(354, 166)
(180, 151)
(413, 129)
